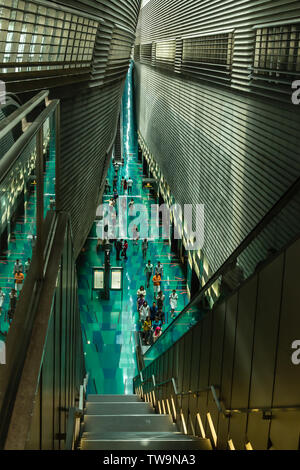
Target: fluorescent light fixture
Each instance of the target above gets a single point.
(231, 445)
(212, 428)
(183, 422)
(201, 427)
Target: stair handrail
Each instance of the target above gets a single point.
(211, 388)
(227, 412)
(269, 216)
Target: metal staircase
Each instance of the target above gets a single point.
(125, 422)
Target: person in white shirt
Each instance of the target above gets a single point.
(144, 312)
(148, 271)
(141, 291)
(18, 266)
(27, 265)
(173, 302)
(159, 269)
(2, 297)
(2, 353)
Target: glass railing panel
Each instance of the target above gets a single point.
(279, 227)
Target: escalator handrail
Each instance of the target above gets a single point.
(270, 215)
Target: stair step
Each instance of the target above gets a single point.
(130, 408)
(113, 398)
(128, 436)
(129, 423)
(162, 443)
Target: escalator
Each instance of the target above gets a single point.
(276, 230)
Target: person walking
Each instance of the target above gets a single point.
(27, 265)
(118, 245)
(173, 302)
(125, 186)
(107, 187)
(122, 184)
(116, 195)
(159, 269)
(130, 184)
(135, 234)
(148, 271)
(145, 248)
(12, 304)
(124, 250)
(131, 206)
(18, 266)
(19, 278)
(115, 182)
(156, 284)
(144, 312)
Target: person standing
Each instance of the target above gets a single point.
(148, 272)
(153, 311)
(144, 312)
(27, 265)
(12, 304)
(125, 186)
(157, 333)
(19, 278)
(160, 300)
(156, 284)
(173, 302)
(130, 184)
(122, 184)
(147, 328)
(2, 297)
(124, 251)
(145, 248)
(141, 291)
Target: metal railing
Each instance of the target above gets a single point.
(75, 418)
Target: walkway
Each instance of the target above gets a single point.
(20, 240)
(108, 326)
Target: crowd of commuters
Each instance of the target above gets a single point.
(152, 314)
(153, 318)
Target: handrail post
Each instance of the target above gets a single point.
(174, 386)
